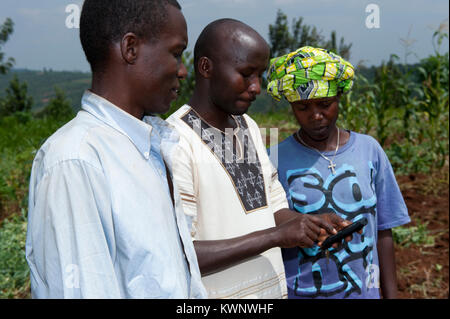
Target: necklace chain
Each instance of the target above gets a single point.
(332, 164)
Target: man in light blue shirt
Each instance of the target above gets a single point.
(105, 220)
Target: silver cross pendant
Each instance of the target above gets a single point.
(332, 166)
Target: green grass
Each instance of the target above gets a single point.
(14, 271)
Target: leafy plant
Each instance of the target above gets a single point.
(356, 108)
(418, 235)
(407, 157)
(434, 74)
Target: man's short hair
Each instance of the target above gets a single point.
(208, 40)
(104, 22)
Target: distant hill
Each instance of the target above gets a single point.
(41, 85)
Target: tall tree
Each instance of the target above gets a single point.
(304, 35)
(6, 29)
(342, 49)
(16, 99)
(284, 39)
(279, 35)
(59, 107)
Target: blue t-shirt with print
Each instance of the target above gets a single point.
(363, 185)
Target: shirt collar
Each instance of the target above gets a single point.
(139, 132)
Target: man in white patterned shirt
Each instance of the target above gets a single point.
(236, 207)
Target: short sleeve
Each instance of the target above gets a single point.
(391, 207)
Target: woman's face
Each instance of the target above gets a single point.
(317, 117)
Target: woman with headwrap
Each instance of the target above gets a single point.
(324, 168)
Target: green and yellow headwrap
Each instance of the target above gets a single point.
(309, 73)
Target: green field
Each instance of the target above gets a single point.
(41, 85)
(404, 107)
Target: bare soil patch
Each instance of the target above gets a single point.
(422, 270)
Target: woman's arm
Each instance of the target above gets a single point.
(386, 256)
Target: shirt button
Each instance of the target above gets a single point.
(146, 155)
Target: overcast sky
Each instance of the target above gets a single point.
(42, 39)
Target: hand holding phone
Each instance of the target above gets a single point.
(344, 232)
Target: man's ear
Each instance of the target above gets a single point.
(205, 67)
(129, 47)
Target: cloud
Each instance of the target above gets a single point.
(32, 12)
(236, 2)
(284, 2)
(318, 3)
(41, 15)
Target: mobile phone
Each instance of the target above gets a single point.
(344, 232)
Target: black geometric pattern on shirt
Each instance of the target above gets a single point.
(246, 172)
